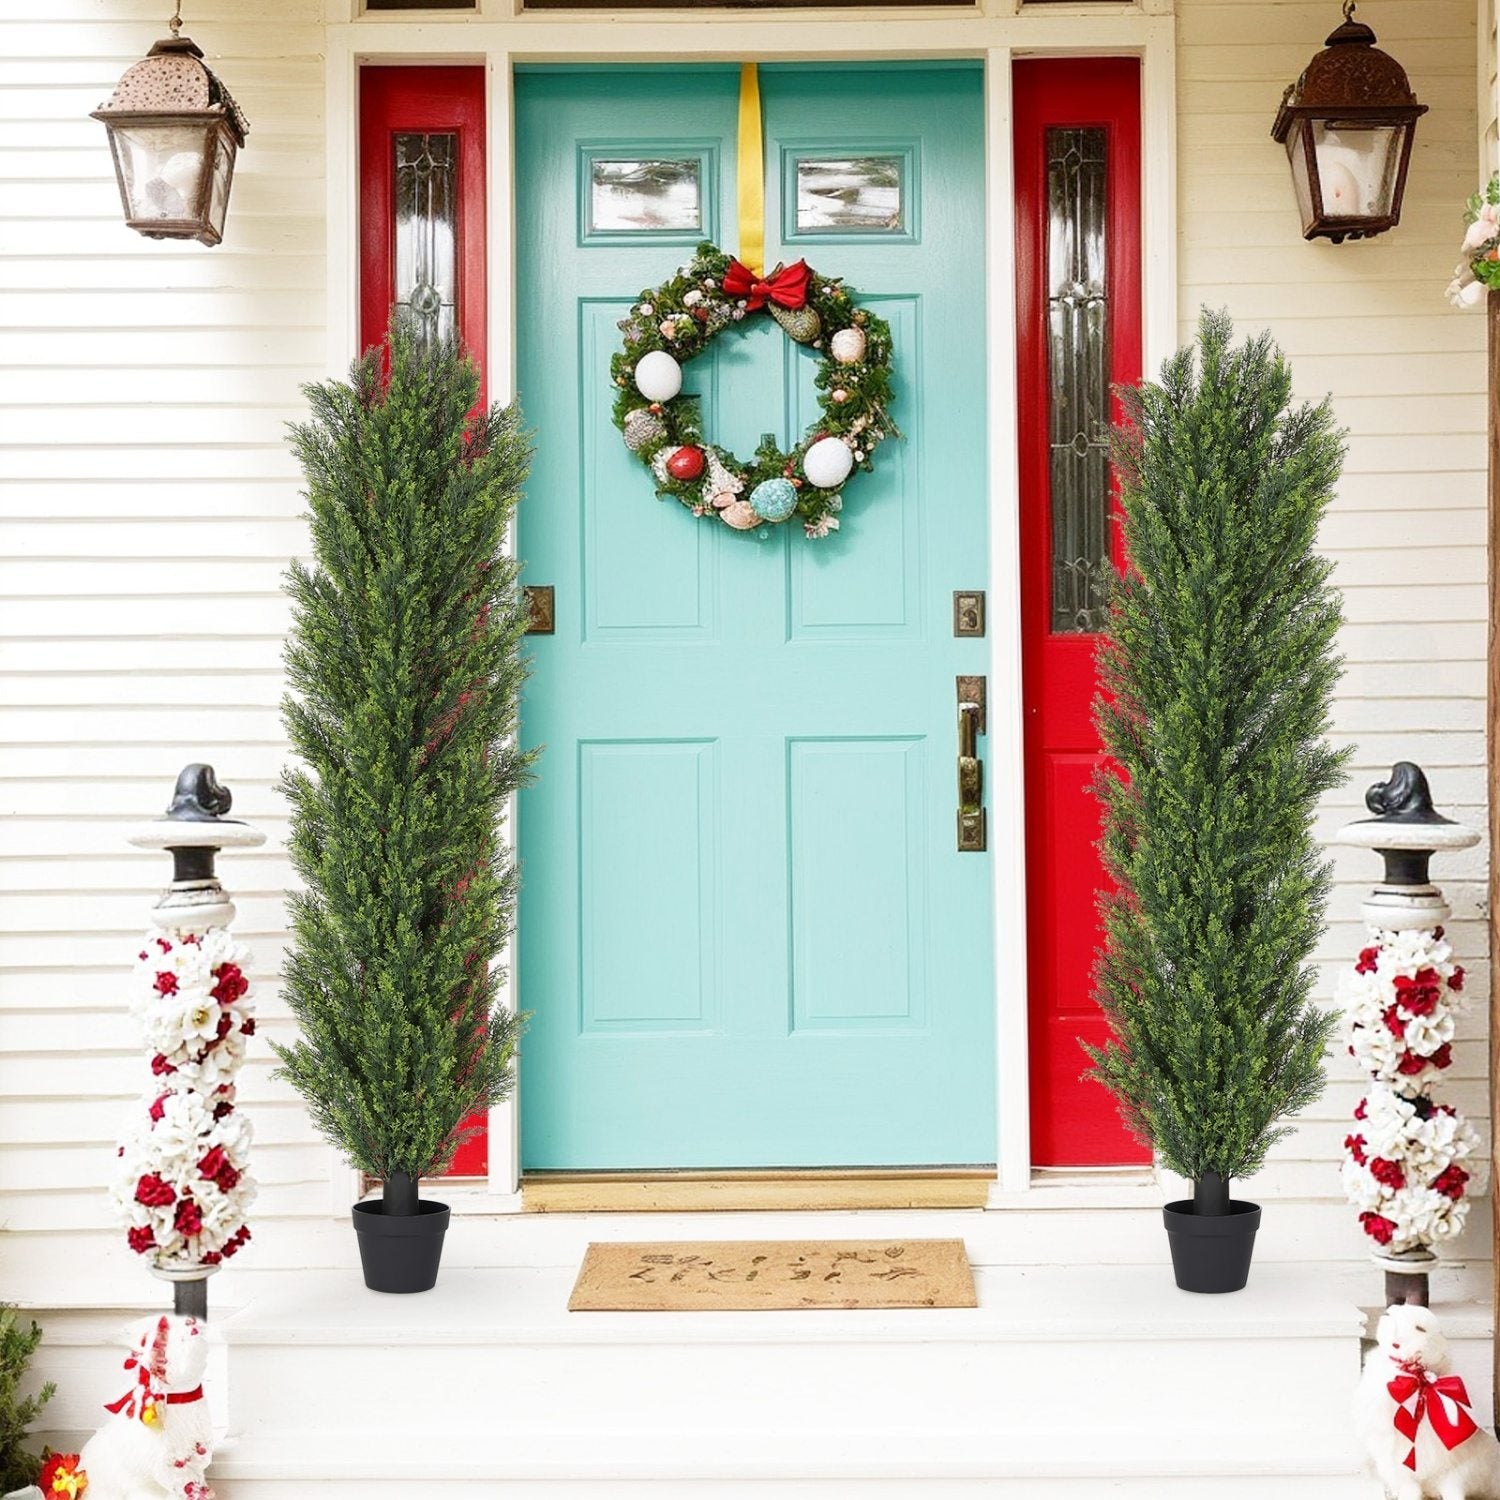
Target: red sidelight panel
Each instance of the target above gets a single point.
(397, 105)
(1078, 253)
(422, 243)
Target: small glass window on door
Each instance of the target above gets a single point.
(426, 286)
(1078, 352)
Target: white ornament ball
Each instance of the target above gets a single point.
(827, 464)
(658, 377)
(848, 346)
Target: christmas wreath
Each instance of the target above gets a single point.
(675, 322)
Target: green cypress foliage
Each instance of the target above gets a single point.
(405, 664)
(18, 1343)
(1217, 670)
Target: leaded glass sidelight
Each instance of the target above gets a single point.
(427, 233)
(1078, 358)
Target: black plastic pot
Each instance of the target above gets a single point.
(1211, 1252)
(401, 1252)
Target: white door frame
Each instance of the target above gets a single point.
(499, 35)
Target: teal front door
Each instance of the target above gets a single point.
(747, 935)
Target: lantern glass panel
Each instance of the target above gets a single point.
(1357, 164)
(1296, 150)
(163, 167)
(218, 199)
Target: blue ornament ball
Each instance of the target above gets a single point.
(774, 499)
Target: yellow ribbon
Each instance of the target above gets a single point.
(752, 172)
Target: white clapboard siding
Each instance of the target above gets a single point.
(149, 506)
(1368, 323)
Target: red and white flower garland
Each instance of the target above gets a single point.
(183, 1186)
(1403, 1168)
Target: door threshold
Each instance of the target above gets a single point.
(748, 1191)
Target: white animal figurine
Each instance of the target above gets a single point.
(1412, 1415)
(157, 1442)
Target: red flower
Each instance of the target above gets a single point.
(1456, 978)
(1361, 1109)
(212, 1163)
(241, 1236)
(1355, 1146)
(143, 955)
(211, 1257)
(61, 1476)
(166, 982)
(164, 945)
(1380, 1229)
(1443, 1057)
(226, 1024)
(229, 985)
(141, 1240)
(153, 1192)
(158, 1107)
(1387, 1173)
(1367, 958)
(1395, 1022)
(1410, 1064)
(191, 939)
(227, 1179)
(1450, 1182)
(1418, 996)
(160, 1065)
(223, 1108)
(248, 1029)
(188, 1220)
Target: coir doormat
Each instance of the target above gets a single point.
(747, 1275)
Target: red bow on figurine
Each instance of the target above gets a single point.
(1443, 1400)
(786, 286)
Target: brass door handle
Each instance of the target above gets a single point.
(972, 832)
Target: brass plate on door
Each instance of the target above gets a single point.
(541, 609)
(973, 830)
(968, 612)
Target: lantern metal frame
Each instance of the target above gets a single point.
(1350, 82)
(173, 87)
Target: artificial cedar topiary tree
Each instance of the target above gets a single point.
(1217, 669)
(18, 1343)
(405, 669)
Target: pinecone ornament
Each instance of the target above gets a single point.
(642, 428)
(801, 324)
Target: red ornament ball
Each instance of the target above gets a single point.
(686, 463)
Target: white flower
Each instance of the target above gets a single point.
(821, 527)
(692, 298)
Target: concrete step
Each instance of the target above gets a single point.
(620, 1466)
(1069, 1378)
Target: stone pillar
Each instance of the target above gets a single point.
(182, 1193)
(1404, 1167)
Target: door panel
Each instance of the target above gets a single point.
(1077, 144)
(747, 937)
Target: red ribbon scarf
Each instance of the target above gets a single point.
(786, 286)
(1443, 1400)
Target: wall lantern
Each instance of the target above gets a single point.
(1347, 124)
(174, 132)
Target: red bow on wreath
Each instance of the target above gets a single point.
(786, 286)
(1444, 1401)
